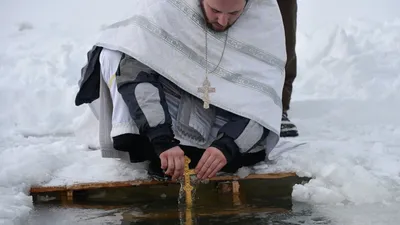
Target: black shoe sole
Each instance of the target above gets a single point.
(291, 133)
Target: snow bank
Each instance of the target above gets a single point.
(358, 60)
(345, 104)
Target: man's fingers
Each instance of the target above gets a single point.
(173, 161)
(171, 165)
(178, 168)
(205, 167)
(183, 163)
(211, 168)
(164, 161)
(203, 160)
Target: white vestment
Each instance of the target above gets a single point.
(169, 37)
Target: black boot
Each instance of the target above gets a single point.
(288, 129)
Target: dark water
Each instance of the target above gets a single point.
(258, 203)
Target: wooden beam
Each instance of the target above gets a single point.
(236, 193)
(118, 184)
(88, 186)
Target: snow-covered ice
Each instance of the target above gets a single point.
(346, 101)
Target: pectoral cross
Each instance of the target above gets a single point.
(206, 89)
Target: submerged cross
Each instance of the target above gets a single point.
(206, 89)
(187, 185)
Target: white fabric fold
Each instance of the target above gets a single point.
(168, 36)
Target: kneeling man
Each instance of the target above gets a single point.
(196, 78)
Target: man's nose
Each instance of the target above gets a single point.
(223, 20)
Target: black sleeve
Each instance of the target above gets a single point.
(239, 135)
(143, 93)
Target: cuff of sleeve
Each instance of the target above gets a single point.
(227, 146)
(163, 143)
(162, 138)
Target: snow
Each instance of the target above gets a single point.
(345, 104)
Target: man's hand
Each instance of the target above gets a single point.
(174, 161)
(212, 161)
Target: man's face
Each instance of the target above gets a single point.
(222, 14)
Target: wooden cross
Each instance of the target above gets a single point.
(187, 184)
(206, 89)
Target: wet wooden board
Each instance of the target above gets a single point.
(120, 184)
(272, 184)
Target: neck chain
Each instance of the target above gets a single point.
(222, 54)
(206, 89)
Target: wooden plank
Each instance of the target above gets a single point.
(255, 176)
(236, 193)
(118, 184)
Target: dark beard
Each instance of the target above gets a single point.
(208, 24)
